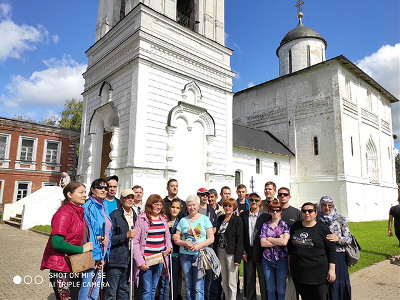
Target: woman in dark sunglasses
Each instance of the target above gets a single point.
(312, 257)
(98, 220)
(274, 238)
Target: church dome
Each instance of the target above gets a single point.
(300, 32)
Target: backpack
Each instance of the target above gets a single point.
(352, 251)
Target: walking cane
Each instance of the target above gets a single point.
(131, 271)
(102, 262)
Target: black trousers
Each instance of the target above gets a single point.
(312, 292)
(249, 269)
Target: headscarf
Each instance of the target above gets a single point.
(327, 219)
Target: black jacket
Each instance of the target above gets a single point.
(233, 235)
(257, 250)
(119, 252)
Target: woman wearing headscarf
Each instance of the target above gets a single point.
(340, 289)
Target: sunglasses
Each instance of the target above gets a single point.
(254, 200)
(307, 211)
(100, 187)
(274, 210)
(283, 194)
(228, 205)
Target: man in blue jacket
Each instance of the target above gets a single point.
(123, 220)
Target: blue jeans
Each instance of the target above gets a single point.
(275, 277)
(176, 277)
(117, 282)
(87, 283)
(149, 281)
(194, 286)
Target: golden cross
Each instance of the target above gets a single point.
(298, 5)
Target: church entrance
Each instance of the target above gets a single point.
(105, 153)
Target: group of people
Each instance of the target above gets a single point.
(154, 243)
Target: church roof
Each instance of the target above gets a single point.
(258, 140)
(300, 32)
(345, 63)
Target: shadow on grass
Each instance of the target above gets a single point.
(377, 253)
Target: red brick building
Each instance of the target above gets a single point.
(33, 155)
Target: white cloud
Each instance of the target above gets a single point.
(16, 39)
(250, 84)
(384, 67)
(61, 80)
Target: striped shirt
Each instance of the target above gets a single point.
(155, 241)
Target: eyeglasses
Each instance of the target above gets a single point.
(274, 210)
(254, 200)
(283, 194)
(100, 187)
(307, 211)
(157, 204)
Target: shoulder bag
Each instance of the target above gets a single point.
(352, 251)
(206, 264)
(80, 262)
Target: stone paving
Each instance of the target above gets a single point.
(21, 254)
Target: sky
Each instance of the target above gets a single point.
(43, 44)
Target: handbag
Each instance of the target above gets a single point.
(80, 262)
(206, 263)
(154, 259)
(352, 251)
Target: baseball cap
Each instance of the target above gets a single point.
(127, 192)
(202, 191)
(115, 177)
(255, 193)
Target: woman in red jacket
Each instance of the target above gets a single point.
(68, 236)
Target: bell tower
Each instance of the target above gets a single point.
(159, 87)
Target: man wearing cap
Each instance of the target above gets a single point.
(208, 211)
(112, 202)
(253, 220)
(123, 221)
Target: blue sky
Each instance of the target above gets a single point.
(43, 44)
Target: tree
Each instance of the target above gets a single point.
(71, 116)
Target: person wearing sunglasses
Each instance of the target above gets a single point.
(274, 238)
(289, 214)
(96, 214)
(253, 220)
(340, 289)
(229, 245)
(312, 256)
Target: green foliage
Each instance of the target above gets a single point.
(374, 242)
(44, 228)
(397, 164)
(71, 116)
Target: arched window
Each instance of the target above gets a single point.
(315, 145)
(276, 168)
(258, 166)
(372, 161)
(238, 178)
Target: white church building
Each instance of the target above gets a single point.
(158, 104)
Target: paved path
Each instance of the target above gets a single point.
(21, 254)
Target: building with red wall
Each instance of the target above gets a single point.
(33, 155)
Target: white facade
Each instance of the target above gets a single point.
(160, 95)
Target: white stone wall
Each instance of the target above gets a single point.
(244, 161)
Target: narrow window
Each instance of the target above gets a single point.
(369, 100)
(186, 13)
(351, 144)
(238, 179)
(258, 166)
(276, 171)
(308, 56)
(122, 10)
(27, 149)
(348, 88)
(315, 145)
(290, 61)
(3, 146)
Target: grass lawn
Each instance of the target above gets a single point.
(374, 242)
(372, 237)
